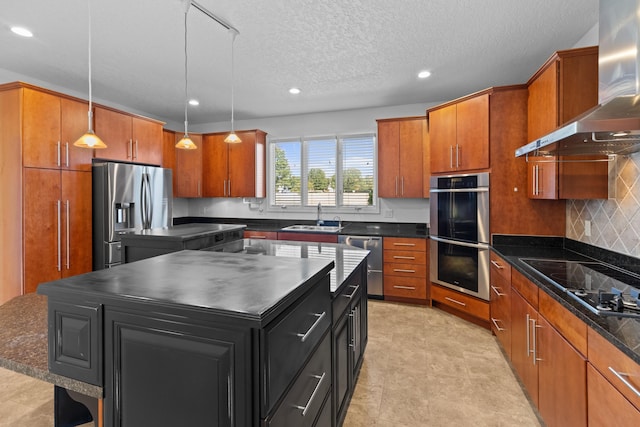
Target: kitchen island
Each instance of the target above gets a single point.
(199, 336)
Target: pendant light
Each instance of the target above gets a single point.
(186, 143)
(232, 138)
(90, 139)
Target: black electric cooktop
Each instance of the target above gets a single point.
(603, 289)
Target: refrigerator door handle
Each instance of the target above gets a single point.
(145, 201)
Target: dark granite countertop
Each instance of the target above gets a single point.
(182, 232)
(623, 332)
(234, 286)
(24, 344)
(388, 229)
(346, 258)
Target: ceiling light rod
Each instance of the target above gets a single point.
(214, 17)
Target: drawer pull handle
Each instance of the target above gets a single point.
(400, 270)
(303, 337)
(404, 244)
(403, 257)
(257, 237)
(495, 323)
(621, 376)
(497, 265)
(500, 294)
(355, 289)
(455, 301)
(412, 288)
(313, 395)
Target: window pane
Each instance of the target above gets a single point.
(287, 178)
(321, 171)
(358, 170)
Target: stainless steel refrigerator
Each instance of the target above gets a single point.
(127, 198)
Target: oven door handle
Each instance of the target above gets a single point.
(460, 190)
(455, 242)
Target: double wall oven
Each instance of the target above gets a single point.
(459, 233)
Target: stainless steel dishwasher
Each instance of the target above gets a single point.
(374, 260)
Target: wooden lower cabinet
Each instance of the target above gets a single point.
(257, 234)
(606, 405)
(523, 315)
(57, 225)
(307, 237)
(468, 307)
(500, 301)
(562, 381)
(406, 269)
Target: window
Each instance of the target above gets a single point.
(333, 171)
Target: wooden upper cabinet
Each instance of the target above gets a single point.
(51, 124)
(147, 141)
(128, 138)
(215, 165)
(400, 156)
(459, 135)
(187, 180)
(564, 87)
(235, 170)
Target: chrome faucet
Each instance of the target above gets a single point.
(318, 220)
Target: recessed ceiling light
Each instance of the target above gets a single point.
(194, 102)
(424, 74)
(294, 91)
(21, 31)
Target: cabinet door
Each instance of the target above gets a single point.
(41, 130)
(342, 367)
(242, 166)
(472, 130)
(442, 138)
(523, 317)
(188, 171)
(542, 178)
(410, 160)
(77, 226)
(562, 379)
(215, 163)
(166, 369)
(114, 129)
(74, 124)
(147, 141)
(543, 103)
(388, 158)
(42, 227)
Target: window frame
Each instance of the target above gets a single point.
(304, 193)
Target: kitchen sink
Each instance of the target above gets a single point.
(314, 228)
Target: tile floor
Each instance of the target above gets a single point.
(422, 367)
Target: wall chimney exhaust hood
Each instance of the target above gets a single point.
(612, 127)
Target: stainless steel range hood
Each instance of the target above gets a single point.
(612, 127)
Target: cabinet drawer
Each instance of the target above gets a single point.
(304, 401)
(572, 329)
(405, 244)
(607, 359)
(406, 270)
(606, 406)
(308, 237)
(460, 302)
(290, 339)
(405, 287)
(351, 292)
(527, 288)
(75, 347)
(405, 257)
(500, 267)
(255, 234)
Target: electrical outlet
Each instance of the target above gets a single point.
(587, 228)
(388, 213)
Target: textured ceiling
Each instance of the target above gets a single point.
(341, 54)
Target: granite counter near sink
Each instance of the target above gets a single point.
(622, 332)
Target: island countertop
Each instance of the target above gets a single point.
(253, 289)
(346, 258)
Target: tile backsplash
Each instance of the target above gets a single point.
(615, 223)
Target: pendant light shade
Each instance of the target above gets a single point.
(232, 138)
(186, 143)
(90, 139)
